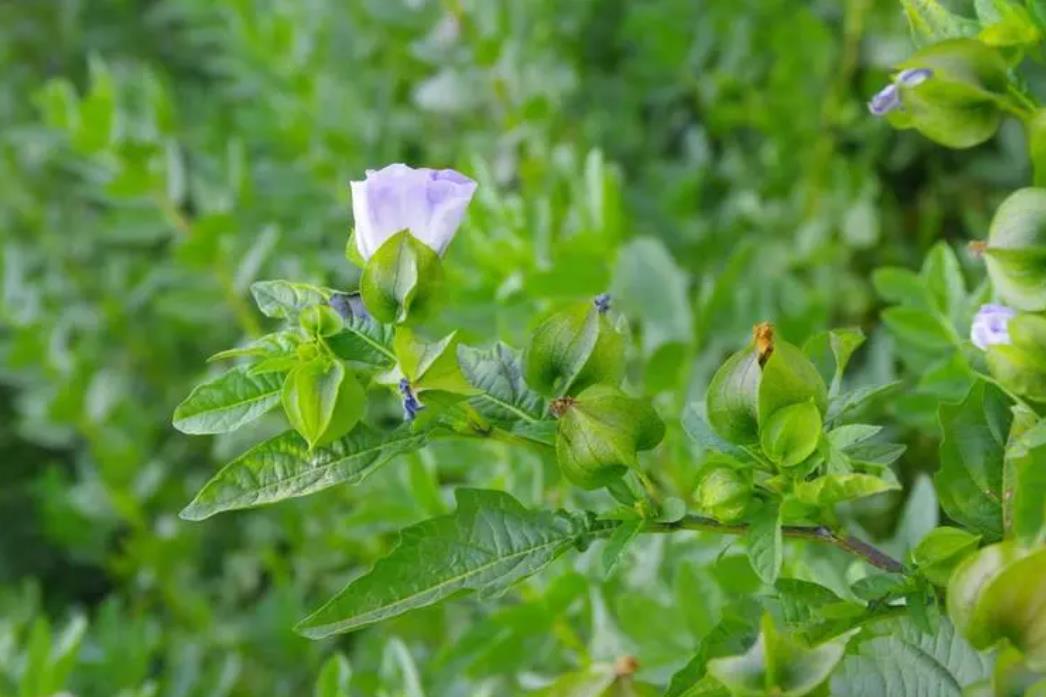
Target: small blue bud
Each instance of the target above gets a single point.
(885, 100)
(889, 98)
(411, 405)
(913, 76)
(602, 303)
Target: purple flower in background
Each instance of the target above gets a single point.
(602, 303)
(990, 326)
(430, 203)
(889, 98)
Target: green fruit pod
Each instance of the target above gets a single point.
(573, 349)
(724, 493)
(600, 432)
(1000, 593)
(754, 383)
(958, 103)
(1016, 250)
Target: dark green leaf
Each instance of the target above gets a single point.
(489, 543)
(498, 373)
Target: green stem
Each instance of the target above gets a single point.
(813, 533)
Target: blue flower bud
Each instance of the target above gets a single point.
(889, 98)
(411, 405)
(602, 303)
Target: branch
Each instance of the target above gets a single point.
(815, 533)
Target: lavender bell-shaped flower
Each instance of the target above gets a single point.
(889, 98)
(411, 405)
(430, 203)
(991, 326)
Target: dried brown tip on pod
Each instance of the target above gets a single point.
(763, 335)
(625, 666)
(977, 247)
(560, 405)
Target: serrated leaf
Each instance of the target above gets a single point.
(764, 542)
(284, 299)
(969, 481)
(364, 340)
(283, 467)
(489, 543)
(908, 662)
(498, 373)
(228, 402)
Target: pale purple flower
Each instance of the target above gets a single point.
(991, 326)
(430, 203)
(411, 405)
(889, 98)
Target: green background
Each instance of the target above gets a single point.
(710, 162)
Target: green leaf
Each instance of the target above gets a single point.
(943, 277)
(930, 21)
(334, 679)
(498, 374)
(969, 481)
(907, 662)
(842, 403)
(618, 544)
(283, 467)
(228, 402)
(831, 352)
(778, 665)
(901, 286)
(285, 300)
(922, 329)
(269, 346)
(791, 434)
(764, 542)
(1036, 127)
(489, 543)
(404, 277)
(940, 551)
(431, 365)
(365, 341)
(830, 489)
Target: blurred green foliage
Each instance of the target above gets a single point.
(711, 163)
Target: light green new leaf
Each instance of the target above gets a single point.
(284, 299)
(498, 373)
(431, 365)
(930, 21)
(907, 662)
(489, 543)
(283, 467)
(228, 402)
(764, 542)
(592, 681)
(618, 544)
(831, 489)
(969, 482)
(310, 395)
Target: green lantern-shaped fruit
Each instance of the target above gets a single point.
(754, 383)
(1000, 593)
(954, 98)
(402, 279)
(600, 432)
(575, 348)
(724, 493)
(322, 400)
(1016, 250)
